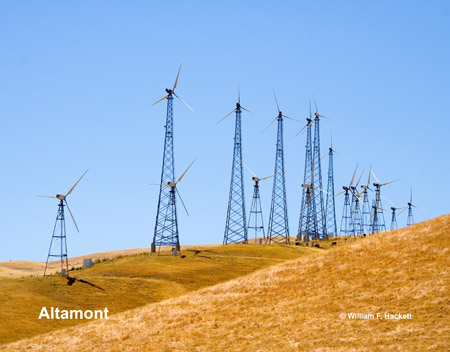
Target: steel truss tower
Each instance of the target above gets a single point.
(330, 205)
(366, 212)
(357, 222)
(235, 226)
(394, 225)
(378, 224)
(255, 220)
(410, 219)
(346, 221)
(166, 226)
(278, 231)
(308, 220)
(58, 244)
(317, 197)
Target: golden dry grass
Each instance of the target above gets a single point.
(128, 282)
(295, 306)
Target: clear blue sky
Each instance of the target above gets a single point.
(78, 79)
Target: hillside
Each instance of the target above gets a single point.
(296, 306)
(128, 281)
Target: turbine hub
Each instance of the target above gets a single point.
(60, 196)
(171, 184)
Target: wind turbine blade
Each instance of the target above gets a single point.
(315, 104)
(176, 81)
(357, 183)
(250, 170)
(157, 184)
(310, 115)
(239, 94)
(67, 205)
(247, 110)
(307, 125)
(321, 190)
(276, 100)
(76, 183)
(326, 117)
(325, 155)
(390, 200)
(378, 181)
(223, 118)
(270, 124)
(160, 100)
(370, 171)
(410, 197)
(354, 173)
(290, 118)
(339, 193)
(184, 102)
(265, 178)
(184, 173)
(36, 195)
(340, 154)
(402, 211)
(384, 184)
(179, 195)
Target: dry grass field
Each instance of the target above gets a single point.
(128, 281)
(296, 306)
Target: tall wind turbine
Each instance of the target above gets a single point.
(166, 225)
(378, 223)
(58, 244)
(278, 230)
(235, 225)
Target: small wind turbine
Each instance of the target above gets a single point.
(59, 242)
(256, 208)
(378, 216)
(394, 225)
(410, 219)
(174, 236)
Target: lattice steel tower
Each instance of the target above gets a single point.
(278, 230)
(235, 226)
(346, 221)
(166, 225)
(307, 220)
(330, 205)
(366, 209)
(410, 219)
(378, 223)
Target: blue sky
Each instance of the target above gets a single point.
(78, 79)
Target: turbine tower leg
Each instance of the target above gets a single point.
(346, 218)
(235, 226)
(410, 219)
(255, 220)
(331, 206)
(366, 213)
(278, 231)
(58, 244)
(166, 226)
(393, 220)
(304, 217)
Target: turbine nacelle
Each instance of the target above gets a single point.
(171, 184)
(61, 196)
(256, 179)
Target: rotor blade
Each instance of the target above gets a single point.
(223, 118)
(179, 195)
(340, 154)
(357, 183)
(410, 197)
(176, 81)
(250, 170)
(307, 198)
(239, 94)
(36, 195)
(184, 102)
(307, 125)
(402, 211)
(76, 183)
(184, 173)
(392, 203)
(384, 184)
(325, 155)
(326, 117)
(317, 110)
(247, 110)
(310, 115)
(339, 193)
(160, 100)
(269, 124)
(158, 184)
(368, 181)
(290, 118)
(378, 181)
(265, 178)
(321, 190)
(354, 173)
(276, 100)
(67, 205)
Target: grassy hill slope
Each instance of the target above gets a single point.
(296, 306)
(128, 282)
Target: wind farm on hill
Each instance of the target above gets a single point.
(270, 268)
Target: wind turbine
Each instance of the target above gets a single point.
(278, 229)
(58, 243)
(235, 225)
(256, 208)
(410, 219)
(166, 216)
(172, 236)
(366, 209)
(378, 223)
(394, 225)
(346, 221)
